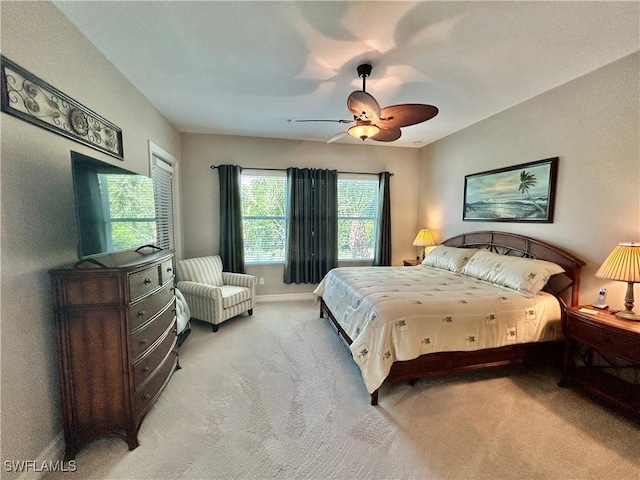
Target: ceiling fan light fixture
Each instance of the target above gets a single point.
(363, 131)
(378, 124)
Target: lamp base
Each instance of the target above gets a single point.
(628, 315)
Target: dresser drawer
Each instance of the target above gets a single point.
(152, 358)
(155, 383)
(142, 339)
(599, 336)
(146, 308)
(141, 283)
(166, 271)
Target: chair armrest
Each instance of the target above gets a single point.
(239, 279)
(200, 290)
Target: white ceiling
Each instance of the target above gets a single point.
(246, 68)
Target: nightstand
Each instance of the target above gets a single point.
(412, 262)
(615, 342)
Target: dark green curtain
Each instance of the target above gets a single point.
(231, 237)
(311, 247)
(382, 255)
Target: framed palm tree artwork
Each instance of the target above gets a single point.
(520, 193)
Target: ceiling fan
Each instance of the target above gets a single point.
(375, 123)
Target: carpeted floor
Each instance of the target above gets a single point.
(278, 396)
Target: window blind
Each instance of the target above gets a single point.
(162, 174)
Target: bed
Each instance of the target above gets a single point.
(458, 311)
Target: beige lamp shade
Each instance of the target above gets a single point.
(424, 239)
(623, 264)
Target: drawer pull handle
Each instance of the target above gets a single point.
(169, 269)
(143, 341)
(147, 396)
(147, 281)
(141, 313)
(145, 369)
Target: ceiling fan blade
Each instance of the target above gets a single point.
(335, 121)
(406, 114)
(387, 134)
(337, 136)
(363, 106)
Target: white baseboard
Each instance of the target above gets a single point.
(54, 452)
(285, 297)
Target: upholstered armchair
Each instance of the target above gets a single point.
(213, 295)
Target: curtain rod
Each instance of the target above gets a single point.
(213, 167)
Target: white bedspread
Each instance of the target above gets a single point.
(400, 313)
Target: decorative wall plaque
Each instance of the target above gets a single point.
(29, 98)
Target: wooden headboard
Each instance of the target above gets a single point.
(518, 245)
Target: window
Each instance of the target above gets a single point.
(162, 174)
(263, 221)
(128, 209)
(165, 171)
(357, 218)
(263, 216)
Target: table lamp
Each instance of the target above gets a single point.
(424, 239)
(623, 264)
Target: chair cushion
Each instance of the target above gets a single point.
(233, 295)
(207, 270)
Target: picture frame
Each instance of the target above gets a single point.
(519, 193)
(29, 98)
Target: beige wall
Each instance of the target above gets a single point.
(592, 124)
(200, 188)
(38, 219)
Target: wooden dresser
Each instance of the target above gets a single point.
(116, 328)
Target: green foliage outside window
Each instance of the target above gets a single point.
(357, 216)
(263, 203)
(263, 212)
(129, 210)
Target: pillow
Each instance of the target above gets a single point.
(526, 275)
(448, 258)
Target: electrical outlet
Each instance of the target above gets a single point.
(261, 280)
